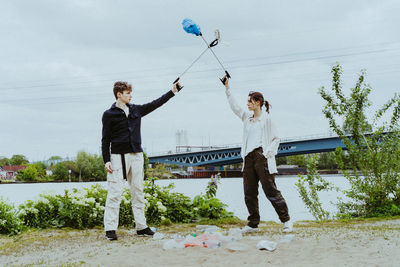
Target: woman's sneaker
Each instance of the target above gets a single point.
(145, 232)
(287, 227)
(249, 229)
(111, 235)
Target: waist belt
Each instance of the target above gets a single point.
(123, 165)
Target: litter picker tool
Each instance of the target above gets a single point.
(191, 27)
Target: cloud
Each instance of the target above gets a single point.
(60, 59)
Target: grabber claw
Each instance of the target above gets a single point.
(178, 86)
(224, 79)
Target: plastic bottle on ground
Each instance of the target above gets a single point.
(267, 245)
(235, 233)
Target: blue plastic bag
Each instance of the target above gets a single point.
(191, 27)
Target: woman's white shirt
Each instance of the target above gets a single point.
(254, 138)
(270, 140)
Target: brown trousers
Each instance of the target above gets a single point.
(255, 170)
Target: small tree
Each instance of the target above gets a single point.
(373, 148)
(90, 166)
(308, 187)
(60, 172)
(4, 161)
(18, 160)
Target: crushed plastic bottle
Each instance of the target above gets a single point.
(212, 243)
(158, 236)
(235, 233)
(204, 240)
(267, 245)
(226, 239)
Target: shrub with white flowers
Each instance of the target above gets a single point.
(10, 224)
(85, 208)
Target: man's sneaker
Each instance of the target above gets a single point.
(248, 229)
(145, 232)
(287, 227)
(111, 235)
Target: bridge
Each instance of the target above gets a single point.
(230, 154)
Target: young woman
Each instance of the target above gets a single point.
(259, 147)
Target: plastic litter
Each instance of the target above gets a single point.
(212, 243)
(207, 228)
(176, 236)
(235, 233)
(158, 236)
(287, 239)
(267, 245)
(204, 240)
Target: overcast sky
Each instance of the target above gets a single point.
(59, 60)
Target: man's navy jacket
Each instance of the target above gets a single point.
(123, 133)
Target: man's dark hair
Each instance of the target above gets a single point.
(120, 87)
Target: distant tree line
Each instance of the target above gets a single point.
(86, 167)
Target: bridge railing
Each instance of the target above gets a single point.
(193, 149)
(225, 146)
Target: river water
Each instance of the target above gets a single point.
(230, 191)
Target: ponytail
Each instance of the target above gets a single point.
(267, 106)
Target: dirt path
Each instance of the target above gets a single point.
(372, 243)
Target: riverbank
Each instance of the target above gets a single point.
(332, 243)
(197, 175)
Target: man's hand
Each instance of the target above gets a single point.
(226, 83)
(177, 87)
(109, 167)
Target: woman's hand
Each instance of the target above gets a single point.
(226, 83)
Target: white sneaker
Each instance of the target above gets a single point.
(248, 229)
(287, 227)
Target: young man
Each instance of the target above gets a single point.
(121, 130)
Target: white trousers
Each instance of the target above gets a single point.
(115, 182)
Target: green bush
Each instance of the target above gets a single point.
(161, 204)
(29, 174)
(85, 208)
(76, 209)
(60, 172)
(372, 148)
(10, 223)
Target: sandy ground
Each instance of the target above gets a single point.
(362, 243)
